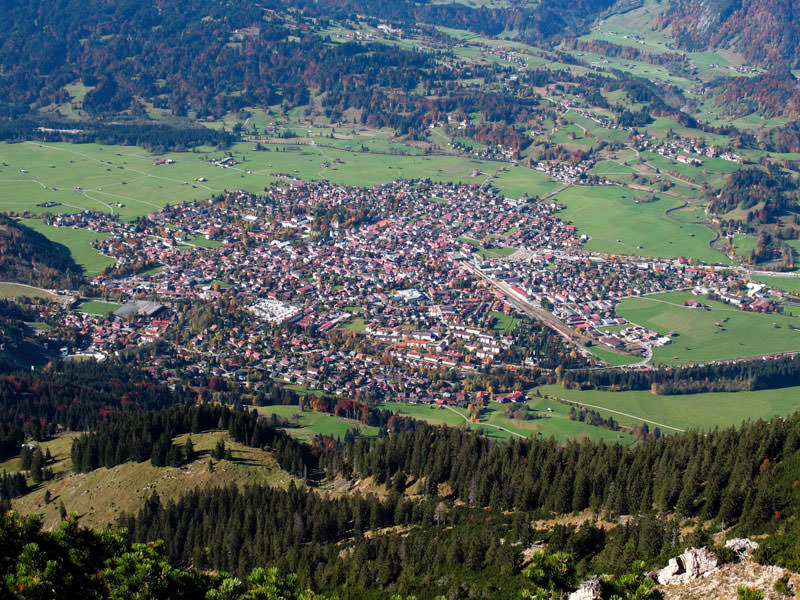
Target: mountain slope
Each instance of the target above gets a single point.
(27, 256)
(764, 31)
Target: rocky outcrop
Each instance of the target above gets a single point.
(694, 563)
(743, 547)
(722, 583)
(588, 590)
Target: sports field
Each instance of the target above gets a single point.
(618, 225)
(723, 332)
(98, 307)
(703, 411)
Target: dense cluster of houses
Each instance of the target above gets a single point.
(363, 292)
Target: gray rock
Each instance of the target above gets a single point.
(743, 547)
(588, 590)
(694, 563)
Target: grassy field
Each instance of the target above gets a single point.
(699, 338)
(124, 180)
(505, 323)
(310, 422)
(612, 358)
(98, 307)
(19, 290)
(554, 424)
(101, 496)
(358, 325)
(618, 225)
(79, 243)
(703, 411)
(787, 284)
(516, 182)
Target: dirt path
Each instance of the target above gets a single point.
(484, 424)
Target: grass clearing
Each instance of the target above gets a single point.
(698, 411)
(79, 242)
(311, 422)
(555, 423)
(617, 225)
(699, 339)
(101, 496)
(20, 290)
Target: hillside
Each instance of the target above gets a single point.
(101, 496)
(764, 31)
(27, 256)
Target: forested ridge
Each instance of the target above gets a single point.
(766, 31)
(726, 376)
(27, 256)
(455, 509)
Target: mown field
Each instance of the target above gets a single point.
(699, 411)
(618, 225)
(739, 333)
(98, 307)
(612, 358)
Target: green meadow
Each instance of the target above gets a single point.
(555, 423)
(124, 180)
(79, 243)
(724, 332)
(20, 290)
(787, 284)
(689, 411)
(617, 225)
(310, 423)
(612, 358)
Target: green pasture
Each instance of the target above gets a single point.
(19, 290)
(617, 225)
(787, 284)
(124, 180)
(612, 358)
(699, 339)
(554, 424)
(79, 243)
(517, 182)
(311, 423)
(689, 411)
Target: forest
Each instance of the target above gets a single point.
(27, 256)
(468, 494)
(766, 31)
(730, 377)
